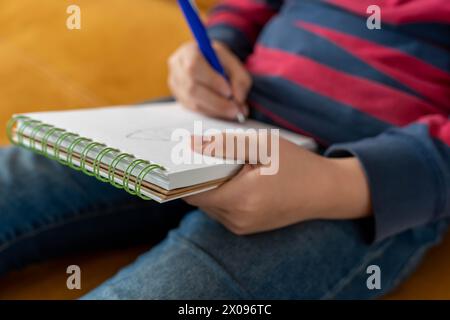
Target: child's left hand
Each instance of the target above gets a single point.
(307, 186)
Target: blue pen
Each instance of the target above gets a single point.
(203, 41)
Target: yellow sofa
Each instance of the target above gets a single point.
(118, 57)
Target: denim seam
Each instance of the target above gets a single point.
(209, 258)
(340, 285)
(92, 214)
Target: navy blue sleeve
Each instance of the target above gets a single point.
(408, 172)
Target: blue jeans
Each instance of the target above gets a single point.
(47, 210)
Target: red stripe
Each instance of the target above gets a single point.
(378, 100)
(439, 127)
(420, 76)
(284, 123)
(236, 21)
(401, 11)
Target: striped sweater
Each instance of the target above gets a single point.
(382, 96)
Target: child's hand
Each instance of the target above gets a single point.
(199, 87)
(307, 186)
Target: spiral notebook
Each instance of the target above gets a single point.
(131, 147)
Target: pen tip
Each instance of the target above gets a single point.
(240, 117)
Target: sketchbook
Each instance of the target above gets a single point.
(132, 147)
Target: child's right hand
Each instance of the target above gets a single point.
(200, 88)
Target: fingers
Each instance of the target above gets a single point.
(219, 196)
(204, 199)
(219, 216)
(194, 66)
(199, 98)
(200, 88)
(239, 77)
(228, 203)
(197, 86)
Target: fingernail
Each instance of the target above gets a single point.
(240, 117)
(241, 111)
(233, 112)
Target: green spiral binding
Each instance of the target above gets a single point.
(62, 135)
(33, 137)
(71, 149)
(113, 167)
(11, 124)
(129, 171)
(98, 161)
(84, 155)
(141, 177)
(45, 143)
(21, 131)
(57, 147)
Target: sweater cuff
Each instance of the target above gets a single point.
(402, 183)
(235, 40)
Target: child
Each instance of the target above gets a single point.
(377, 101)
